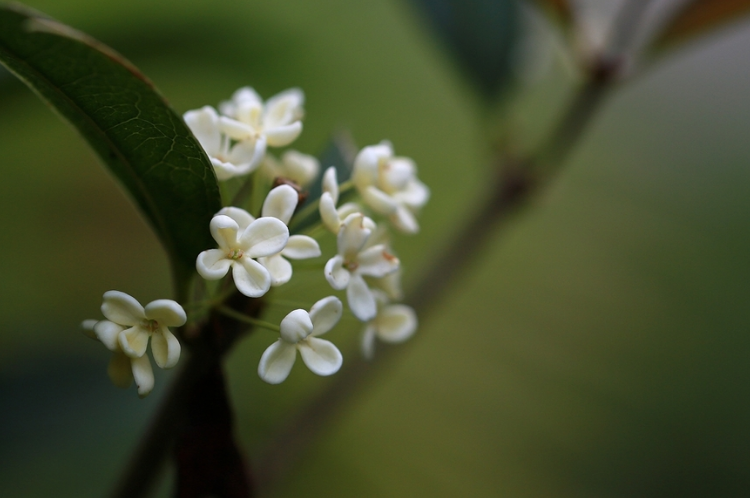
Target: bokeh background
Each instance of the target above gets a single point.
(599, 346)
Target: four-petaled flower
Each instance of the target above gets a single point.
(276, 123)
(299, 332)
(346, 269)
(228, 160)
(237, 248)
(394, 323)
(127, 331)
(389, 185)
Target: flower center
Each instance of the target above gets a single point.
(350, 265)
(235, 254)
(151, 325)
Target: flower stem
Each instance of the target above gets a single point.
(241, 317)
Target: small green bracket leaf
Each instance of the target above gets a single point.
(126, 121)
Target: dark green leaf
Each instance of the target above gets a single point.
(125, 120)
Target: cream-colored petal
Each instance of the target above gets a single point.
(212, 264)
(167, 312)
(277, 361)
(87, 327)
(143, 375)
(166, 348)
(107, 332)
(283, 108)
(279, 268)
(119, 370)
(415, 195)
(250, 277)
(376, 262)
(300, 168)
(239, 215)
(336, 274)
(204, 123)
(243, 97)
(320, 356)
(328, 213)
(366, 163)
(368, 342)
(379, 201)
(391, 285)
(224, 171)
(349, 208)
(122, 308)
(360, 299)
(295, 326)
(246, 156)
(352, 236)
(331, 183)
(133, 341)
(404, 220)
(236, 130)
(280, 203)
(264, 237)
(325, 314)
(283, 135)
(396, 323)
(397, 173)
(301, 247)
(225, 231)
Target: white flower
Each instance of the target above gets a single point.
(275, 123)
(331, 216)
(228, 160)
(346, 269)
(394, 323)
(127, 331)
(238, 245)
(389, 185)
(295, 166)
(299, 331)
(280, 203)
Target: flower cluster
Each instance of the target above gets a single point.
(380, 189)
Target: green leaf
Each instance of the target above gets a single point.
(125, 120)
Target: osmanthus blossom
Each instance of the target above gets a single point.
(275, 123)
(299, 332)
(127, 331)
(353, 262)
(280, 204)
(229, 160)
(238, 246)
(389, 185)
(332, 216)
(393, 323)
(295, 166)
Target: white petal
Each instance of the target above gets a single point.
(365, 171)
(280, 203)
(264, 237)
(301, 247)
(236, 130)
(378, 200)
(368, 342)
(121, 308)
(224, 230)
(396, 323)
(143, 375)
(404, 220)
(167, 312)
(107, 333)
(250, 277)
(244, 96)
(325, 314)
(397, 173)
(204, 125)
(336, 274)
(320, 356)
(296, 326)
(328, 213)
(212, 264)
(133, 341)
(300, 168)
(119, 370)
(240, 216)
(283, 135)
(330, 183)
(279, 268)
(391, 284)
(166, 348)
(360, 298)
(349, 208)
(415, 195)
(246, 156)
(352, 236)
(376, 262)
(224, 171)
(88, 328)
(277, 361)
(284, 107)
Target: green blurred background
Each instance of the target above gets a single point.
(599, 346)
